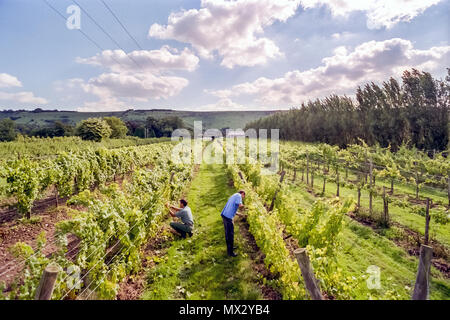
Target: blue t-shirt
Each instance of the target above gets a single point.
(232, 206)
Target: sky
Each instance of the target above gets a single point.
(210, 55)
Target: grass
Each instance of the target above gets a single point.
(362, 247)
(401, 215)
(199, 268)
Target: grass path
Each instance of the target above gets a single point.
(199, 268)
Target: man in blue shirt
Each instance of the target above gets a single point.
(229, 211)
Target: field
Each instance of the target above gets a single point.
(215, 120)
(98, 212)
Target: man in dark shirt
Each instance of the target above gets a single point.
(187, 221)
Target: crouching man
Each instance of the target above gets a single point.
(187, 221)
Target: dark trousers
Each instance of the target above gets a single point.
(181, 228)
(229, 233)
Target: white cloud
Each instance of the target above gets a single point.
(153, 61)
(225, 104)
(380, 13)
(138, 86)
(105, 104)
(230, 29)
(22, 97)
(7, 81)
(342, 72)
(136, 76)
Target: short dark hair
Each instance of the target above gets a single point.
(241, 191)
(183, 202)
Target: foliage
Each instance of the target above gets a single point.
(7, 130)
(118, 128)
(94, 129)
(389, 114)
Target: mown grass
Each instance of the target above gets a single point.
(363, 247)
(401, 215)
(199, 268)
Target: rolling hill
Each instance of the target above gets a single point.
(216, 119)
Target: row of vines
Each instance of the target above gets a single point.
(110, 224)
(333, 165)
(27, 180)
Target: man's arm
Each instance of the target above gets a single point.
(172, 213)
(240, 207)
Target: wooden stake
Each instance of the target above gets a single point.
(421, 288)
(386, 208)
(427, 221)
(324, 182)
(359, 197)
(307, 169)
(448, 191)
(370, 184)
(47, 283)
(283, 173)
(308, 275)
(57, 198)
(337, 182)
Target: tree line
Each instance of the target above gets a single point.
(415, 112)
(95, 129)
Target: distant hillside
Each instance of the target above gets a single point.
(219, 119)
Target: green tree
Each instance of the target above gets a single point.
(118, 128)
(94, 129)
(7, 130)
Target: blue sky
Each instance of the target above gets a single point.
(212, 55)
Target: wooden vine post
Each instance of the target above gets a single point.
(337, 181)
(359, 196)
(427, 222)
(307, 169)
(448, 190)
(385, 208)
(370, 186)
(417, 180)
(324, 182)
(295, 174)
(45, 289)
(311, 282)
(421, 288)
(283, 173)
